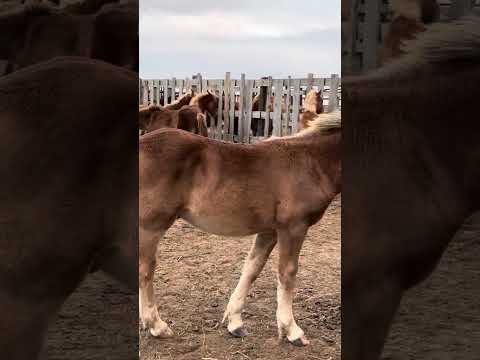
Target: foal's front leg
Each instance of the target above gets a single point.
(256, 259)
(148, 309)
(290, 243)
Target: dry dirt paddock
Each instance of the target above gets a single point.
(196, 272)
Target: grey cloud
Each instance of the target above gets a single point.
(171, 51)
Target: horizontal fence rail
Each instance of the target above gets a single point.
(235, 115)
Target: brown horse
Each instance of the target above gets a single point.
(68, 159)
(312, 107)
(181, 101)
(188, 118)
(276, 189)
(207, 103)
(412, 153)
(410, 18)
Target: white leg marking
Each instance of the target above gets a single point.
(149, 315)
(256, 259)
(290, 244)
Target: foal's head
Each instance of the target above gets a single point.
(314, 102)
(207, 103)
(186, 98)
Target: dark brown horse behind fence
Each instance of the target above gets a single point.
(188, 118)
(412, 158)
(69, 190)
(207, 103)
(276, 189)
(181, 101)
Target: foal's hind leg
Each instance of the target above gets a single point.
(290, 243)
(147, 259)
(256, 259)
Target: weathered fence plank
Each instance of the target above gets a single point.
(268, 120)
(232, 111)
(248, 105)
(241, 105)
(297, 95)
(226, 111)
(333, 93)
(277, 107)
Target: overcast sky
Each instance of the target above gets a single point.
(179, 38)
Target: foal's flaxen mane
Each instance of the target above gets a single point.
(324, 123)
(440, 43)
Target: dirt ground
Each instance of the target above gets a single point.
(99, 321)
(196, 272)
(440, 319)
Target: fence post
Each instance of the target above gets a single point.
(199, 79)
(333, 95)
(218, 129)
(174, 87)
(241, 115)
(145, 92)
(232, 111)
(309, 82)
(296, 105)
(277, 108)
(248, 105)
(226, 107)
(266, 131)
(286, 122)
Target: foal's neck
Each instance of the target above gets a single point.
(324, 150)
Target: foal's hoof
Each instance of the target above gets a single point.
(239, 332)
(161, 333)
(301, 341)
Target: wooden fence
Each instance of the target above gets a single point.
(368, 23)
(235, 114)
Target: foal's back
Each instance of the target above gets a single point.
(237, 189)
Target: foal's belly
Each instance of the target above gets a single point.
(228, 223)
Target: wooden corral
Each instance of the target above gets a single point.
(235, 114)
(365, 28)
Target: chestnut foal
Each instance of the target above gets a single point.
(276, 189)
